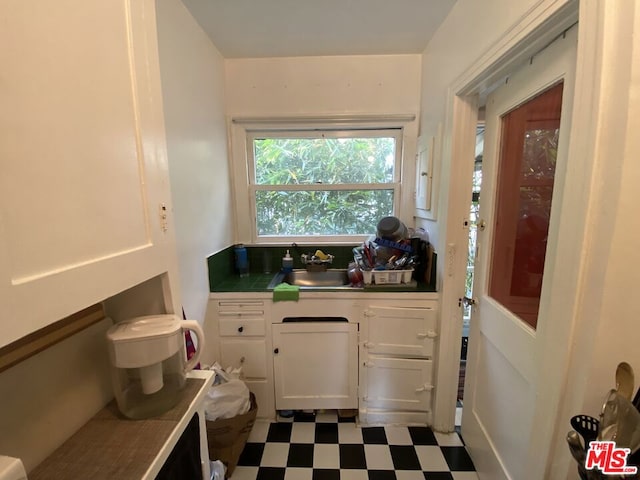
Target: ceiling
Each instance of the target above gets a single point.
(289, 28)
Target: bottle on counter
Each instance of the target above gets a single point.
(241, 260)
(287, 263)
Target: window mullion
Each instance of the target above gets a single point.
(326, 187)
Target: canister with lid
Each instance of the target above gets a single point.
(391, 228)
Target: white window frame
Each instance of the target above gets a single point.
(242, 131)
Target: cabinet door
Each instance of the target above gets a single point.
(409, 332)
(398, 383)
(315, 365)
(248, 354)
(242, 327)
(84, 195)
(424, 172)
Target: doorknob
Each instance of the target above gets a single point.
(467, 302)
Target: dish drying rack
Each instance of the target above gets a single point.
(396, 270)
(313, 263)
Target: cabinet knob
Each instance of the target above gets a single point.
(276, 350)
(240, 329)
(242, 359)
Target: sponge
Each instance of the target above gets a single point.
(321, 255)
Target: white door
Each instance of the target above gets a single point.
(527, 122)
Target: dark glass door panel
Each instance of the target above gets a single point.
(526, 172)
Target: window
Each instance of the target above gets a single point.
(314, 183)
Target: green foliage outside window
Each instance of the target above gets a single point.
(350, 166)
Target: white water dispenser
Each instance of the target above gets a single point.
(149, 364)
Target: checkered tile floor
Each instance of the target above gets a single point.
(325, 447)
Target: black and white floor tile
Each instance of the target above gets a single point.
(324, 447)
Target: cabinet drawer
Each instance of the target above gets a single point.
(398, 383)
(242, 327)
(248, 354)
(240, 306)
(409, 332)
(241, 314)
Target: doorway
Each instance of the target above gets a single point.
(467, 311)
(526, 137)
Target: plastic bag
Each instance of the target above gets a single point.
(228, 398)
(217, 470)
(227, 375)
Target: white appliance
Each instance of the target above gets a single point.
(12, 469)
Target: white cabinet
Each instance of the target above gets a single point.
(239, 339)
(380, 361)
(427, 165)
(399, 383)
(315, 365)
(396, 357)
(85, 209)
(246, 353)
(407, 332)
(424, 173)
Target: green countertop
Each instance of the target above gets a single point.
(223, 278)
(255, 282)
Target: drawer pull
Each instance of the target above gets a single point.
(368, 345)
(424, 388)
(240, 329)
(369, 364)
(429, 334)
(238, 314)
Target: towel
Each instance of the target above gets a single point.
(286, 292)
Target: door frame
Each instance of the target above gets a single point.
(540, 26)
(499, 330)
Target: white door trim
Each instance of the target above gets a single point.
(537, 28)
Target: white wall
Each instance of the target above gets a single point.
(448, 54)
(328, 86)
(608, 331)
(192, 73)
(48, 397)
(373, 84)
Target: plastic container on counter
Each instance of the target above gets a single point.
(241, 260)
